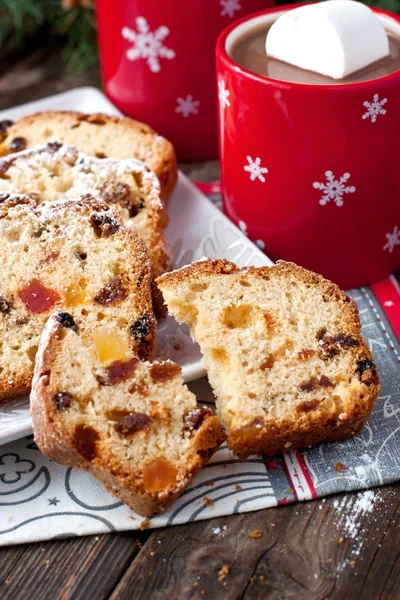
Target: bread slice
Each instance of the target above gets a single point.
(100, 135)
(283, 351)
(76, 256)
(132, 424)
(56, 171)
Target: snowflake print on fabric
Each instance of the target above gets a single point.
(374, 108)
(187, 106)
(393, 239)
(223, 94)
(147, 44)
(229, 7)
(255, 169)
(334, 189)
(243, 228)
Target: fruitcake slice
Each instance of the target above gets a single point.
(134, 425)
(73, 256)
(283, 351)
(56, 171)
(100, 135)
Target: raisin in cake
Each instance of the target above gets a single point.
(99, 135)
(131, 424)
(56, 171)
(283, 351)
(75, 256)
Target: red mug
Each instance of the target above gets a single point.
(310, 172)
(158, 64)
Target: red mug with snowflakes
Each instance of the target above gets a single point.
(310, 172)
(158, 64)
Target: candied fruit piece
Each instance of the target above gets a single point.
(85, 438)
(270, 322)
(268, 363)
(305, 353)
(75, 294)
(237, 317)
(111, 293)
(161, 372)
(159, 474)
(110, 345)
(131, 423)
(37, 298)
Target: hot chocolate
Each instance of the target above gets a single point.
(249, 52)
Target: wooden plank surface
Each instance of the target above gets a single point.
(305, 552)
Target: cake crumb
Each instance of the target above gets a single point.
(340, 467)
(196, 583)
(238, 487)
(210, 483)
(256, 534)
(223, 572)
(152, 554)
(145, 524)
(340, 540)
(208, 501)
(261, 577)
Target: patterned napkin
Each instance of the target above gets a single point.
(41, 500)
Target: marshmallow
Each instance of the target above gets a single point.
(333, 38)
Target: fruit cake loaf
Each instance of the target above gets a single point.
(56, 171)
(131, 424)
(283, 351)
(75, 255)
(99, 135)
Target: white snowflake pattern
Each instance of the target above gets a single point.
(229, 7)
(147, 44)
(255, 169)
(243, 228)
(223, 94)
(374, 108)
(187, 106)
(393, 239)
(334, 189)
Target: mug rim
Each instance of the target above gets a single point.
(222, 53)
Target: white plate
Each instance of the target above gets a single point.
(197, 229)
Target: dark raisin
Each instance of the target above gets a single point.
(5, 306)
(309, 386)
(142, 328)
(342, 339)
(85, 438)
(82, 255)
(114, 191)
(113, 292)
(104, 225)
(121, 371)
(161, 372)
(195, 418)
(63, 400)
(324, 381)
(66, 320)
(4, 166)
(131, 423)
(5, 124)
(321, 333)
(308, 406)
(366, 371)
(4, 197)
(54, 146)
(17, 144)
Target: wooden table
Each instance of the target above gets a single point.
(304, 553)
